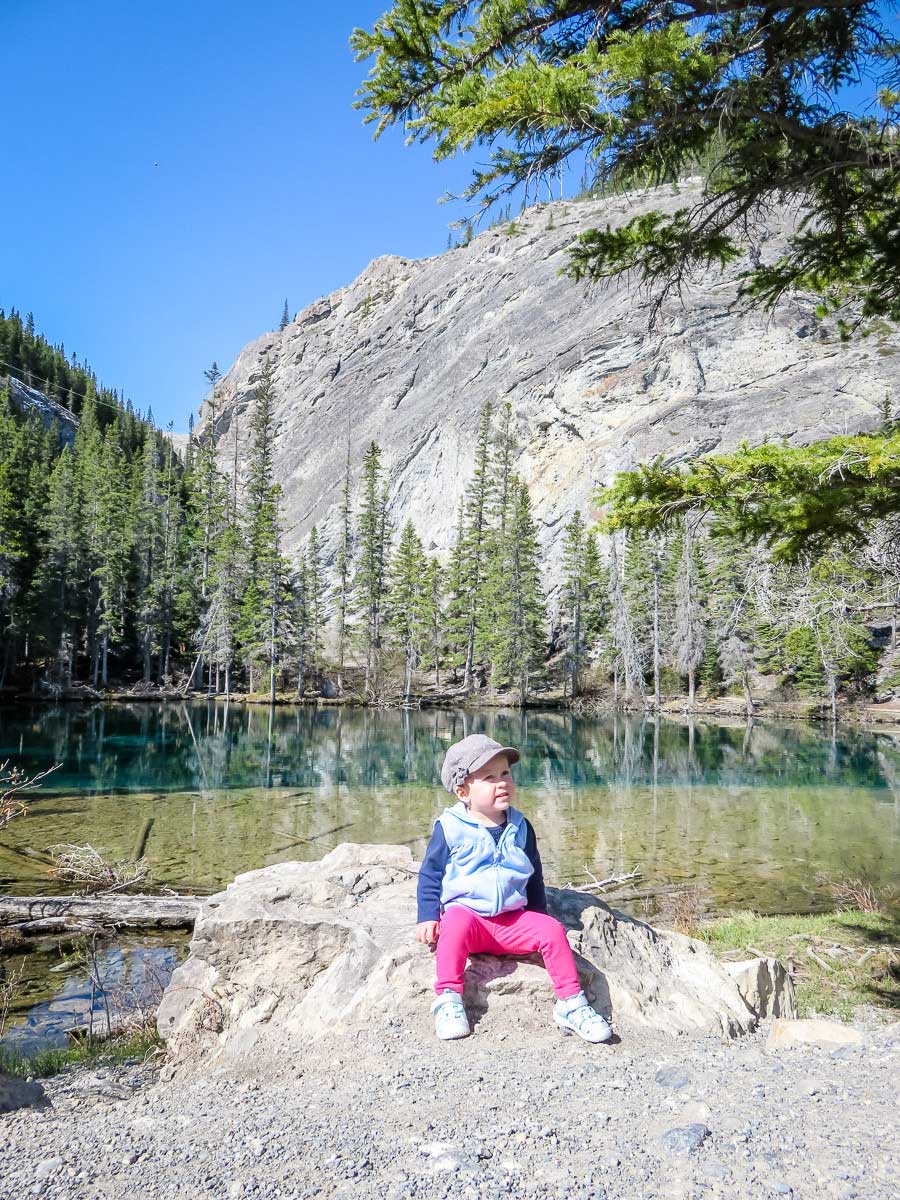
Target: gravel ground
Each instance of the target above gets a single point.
(499, 1114)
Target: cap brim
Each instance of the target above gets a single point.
(511, 753)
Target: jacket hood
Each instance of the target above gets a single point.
(460, 811)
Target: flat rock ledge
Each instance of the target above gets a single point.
(303, 949)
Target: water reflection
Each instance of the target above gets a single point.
(120, 984)
(753, 812)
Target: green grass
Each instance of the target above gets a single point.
(864, 970)
(52, 1062)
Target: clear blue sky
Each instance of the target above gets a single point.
(267, 185)
(173, 171)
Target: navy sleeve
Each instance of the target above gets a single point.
(431, 877)
(534, 892)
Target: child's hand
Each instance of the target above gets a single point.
(427, 932)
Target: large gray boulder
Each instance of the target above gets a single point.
(298, 950)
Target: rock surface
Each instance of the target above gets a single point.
(302, 949)
(408, 353)
(29, 400)
(815, 1031)
(20, 1093)
(766, 987)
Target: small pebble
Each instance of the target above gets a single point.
(684, 1139)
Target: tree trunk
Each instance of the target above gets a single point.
(105, 677)
(132, 912)
(692, 688)
(657, 697)
(576, 650)
(272, 664)
(470, 658)
(748, 695)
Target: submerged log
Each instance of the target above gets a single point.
(43, 914)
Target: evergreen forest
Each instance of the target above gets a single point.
(123, 564)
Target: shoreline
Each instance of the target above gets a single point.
(858, 715)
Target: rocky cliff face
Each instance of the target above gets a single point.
(409, 352)
(30, 400)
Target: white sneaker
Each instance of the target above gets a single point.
(450, 1020)
(575, 1015)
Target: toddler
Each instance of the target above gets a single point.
(481, 891)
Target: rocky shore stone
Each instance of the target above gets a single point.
(20, 1093)
(814, 1031)
(300, 950)
(684, 1139)
(766, 986)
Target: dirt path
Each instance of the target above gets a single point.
(495, 1115)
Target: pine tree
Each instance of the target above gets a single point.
(220, 635)
(285, 317)
(228, 578)
(147, 523)
(58, 582)
(262, 605)
(689, 631)
(456, 615)
(316, 588)
(735, 624)
(433, 615)
(626, 653)
(643, 592)
(207, 494)
(301, 622)
(479, 497)
(344, 573)
(168, 575)
(407, 603)
(112, 549)
(573, 590)
(826, 602)
(504, 453)
(521, 616)
(13, 528)
(594, 606)
(369, 578)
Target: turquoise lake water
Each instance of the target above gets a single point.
(757, 817)
(753, 815)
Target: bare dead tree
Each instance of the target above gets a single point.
(14, 783)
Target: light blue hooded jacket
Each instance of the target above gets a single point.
(488, 877)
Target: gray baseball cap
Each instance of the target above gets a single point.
(468, 755)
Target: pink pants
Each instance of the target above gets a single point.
(463, 932)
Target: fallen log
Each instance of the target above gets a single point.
(33, 914)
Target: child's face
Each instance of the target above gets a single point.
(488, 792)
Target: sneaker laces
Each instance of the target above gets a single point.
(582, 1014)
(450, 1000)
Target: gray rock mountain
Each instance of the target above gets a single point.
(409, 352)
